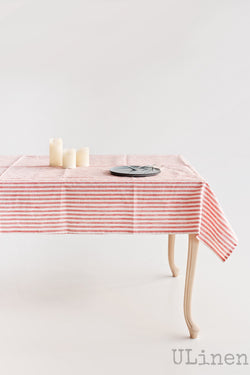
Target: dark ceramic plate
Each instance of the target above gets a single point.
(135, 171)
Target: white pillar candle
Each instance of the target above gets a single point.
(55, 152)
(69, 158)
(82, 157)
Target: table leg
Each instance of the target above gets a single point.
(193, 245)
(171, 241)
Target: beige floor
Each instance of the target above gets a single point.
(108, 305)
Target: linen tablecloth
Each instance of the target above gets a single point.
(37, 198)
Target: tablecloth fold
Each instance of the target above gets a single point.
(215, 230)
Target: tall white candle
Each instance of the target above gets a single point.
(69, 158)
(82, 157)
(55, 152)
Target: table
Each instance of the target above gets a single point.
(36, 198)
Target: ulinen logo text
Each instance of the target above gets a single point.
(187, 357)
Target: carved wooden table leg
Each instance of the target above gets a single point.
(171, 241)
(193, 245)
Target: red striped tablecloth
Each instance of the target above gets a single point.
(37, 198)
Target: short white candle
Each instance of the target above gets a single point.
(55, 152)
(69, 158)
(82, 157)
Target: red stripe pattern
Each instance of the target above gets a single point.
(215, 231)
(37, 198)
